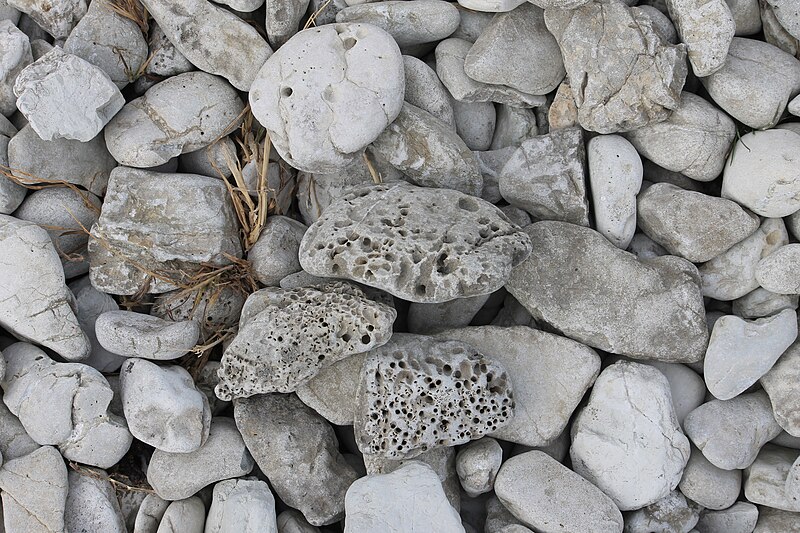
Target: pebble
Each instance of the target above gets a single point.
(707, 28)
(291, 521)
(90, 304)
(761, 303)
(615, 177)
(184, 516)
(57, 19)
(477, 464)
(274, 255)
(429, 318)
(490, 6)
(283, 434)
(746, 15)
(709, 486)
(780, 383)
(167, 60)
(673, 512)
(513, 125)
(787, 14)
(16, 52)
(661, 23)
(213, 310)
(14, 441)
(241, 505)
(131, 334)
(563, 112)
(765, 479)
(491, 163)
(741, 517)
(150, 513)
(92, 504)
(283, 19)
(475, 123)
(778, 272)
(425, 91)
(688, 389)
(330, 391)
(408, 22)
(774, 33)
(588, 289)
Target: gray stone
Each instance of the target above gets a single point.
(477, 464)
(688, 389)
(787, 14)
(425, 91)
(8, 13)
(283, 19)
(184, 516)
(774, 33)
(274, 255)
(428, 318)
(330, 391)
(563, 112)
(166, 59)
(292, 521)
(315, 192)
(671, 513)
(408, 22)
(746, 15)
(14, 440)
(778, 272)
(709, 486)
(739, 518)
(780, 383)
(58, 19)
(499, 519)
(707, 28)
(90, 304)
(513, 125)
(211, 160)
(771, 520)
(475, 123)
(491, 6)
(242, 505)
(661, 23)
(150, 513)
(16, 53)
(92, 504)
(216, 309)
(761, 303)
(491, 163)
(472, 24)
(132, 334)
(765, 479)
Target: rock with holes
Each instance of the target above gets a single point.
(298, 452)
(477, 464)
(671, 513)
(241, 505)
(56, 18)
(151, 130)
(780, 383)
(765, 481)
(409, 22)
(420, 244)
(429, 152)
(132, 334)
(213, 39)
(287, 335)
(425, 91)
(64, 96)
(591, 291)
(65, 405)
(15, 50)
(274, 255)
(302, 83)
(418, 393)
(622, 72)
(707, 28)
(92, 504)
(779, 271)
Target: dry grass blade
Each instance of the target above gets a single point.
(131, 10)
(114, 479)
(376, 177)
(29, 181)
(312, 19)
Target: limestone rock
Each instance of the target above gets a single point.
(709, 486)
(425, 91)
(563, 113)
(746, 15)
(477, 464)
(761, 303)
(283, 19)
(780, 383)
(56, 18)
(15, 49)
(150, 513)
(765, 479)
(213, 310)
(132, 334)
(739, 518)
(513, 125)
(292, 521)
(778, 272)
(92, 505)
(91, 303)
(491, 6)
(671, 513)
(688, 389)
(274, 255)
(14, 440)
(331, 391)
(241, 505)
(408, 22)
(167, 60)
(707, 28)
(184, 516)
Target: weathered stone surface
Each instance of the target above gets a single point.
(671, 513)
(58, 19)
(707, 28)
(150, 513)
(780, 383)
(491, 163)
(184, 516)
(774, 33)
(746, 16)
(622, 73)
(709, 486)
(274, 255)
(473, 396)
(283, 19)
(787, 14)
(287, 335)
(241, 505)
(424, 90)
(408, 22)
(302, 83)
(92, 505)
(298, 452)
(765, 480)
(132, 334)
(477, 464)
(761, 303)
(545, 177)
(420, 244)
(563, 112)
(15, 49)
(627, 440)
(778, 272)
(513, 125)
(585, 287)
(661, 21)
(739, 518)
(330, 391)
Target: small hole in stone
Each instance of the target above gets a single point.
(349, 43)
(286, 92)
(365, 339)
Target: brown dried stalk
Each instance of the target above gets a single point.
(312, 19)
(376, 177)
(32, 182)
(114, 479)
(131, 10)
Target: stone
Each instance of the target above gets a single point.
(151, 130)
(746, 15)
(730, 432)
(56, 19)
(694, 139)
(408, 22)
(544, 400)
(563, 112)
(211, 160)
(671, 216)
(545, 177)
(622, 73)
(87, 164)
(34, 492)
(429, 318)
(477, 464)
(283, 19)
(150, 513)
(287, 335)
(451, 55)
(490, 6)
(8, 13)
(774, 33)
(765, 479)
(213, 39)
(763, 173)
(90, 304)
(175, 476)
(761, 303)
(591, 291)
(707, 29)
(688, 389)
(274, 255)
(330, 391)
(15, 49)
(778, 271)
(732, 274)
(398, 417)
(740, 352)
(429, 152)
(242, 505)
(627, 439)
(342, 114)
(14, 440)
(35, 304)
(707, 485)
(491, 163)
(671, 513)
(47, 94)
(513, 125)
(739, 518)
(643, 247)
(408, 499)
(615, 177)
(184, 516)
(475, 123)
(214, 310)
(787, 14)
(292, 521)
(661, 23)
(109, 41)
(510, 40)
(420, 244)
(499, 519)
(92, 504)
(780, 383)
(315, 192)
(127, 238)
(167, 60)
(794, 106)
(755, 83)
(131, 334)
(425, 91)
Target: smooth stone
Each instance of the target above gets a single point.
(58, 19)
(292, 521)
(14, 440)
(342, 114)
(283, 19)
(627, 439)
(765, 479)
(47, 94)
(242, 505)
(491, 163)
(274, 255)
(774, 33)
(167, 60)
(175, 476)
(92, 504)
(746, 15)
(694, 140)
(499, 519)
(331, 390)
(429, 318)
(707, 28)
(16, 52)
(707, 485)
(439, 245)
(615, 177)
(184, 516)
(593, 292)
(408, 22)
(473, 23)
(9, 13)
(214, 310)
(643, 247)
(425, 91)
(794, 106)
(779, 271)
(761, 303)
(730, 432)
(131, 334)
(317, 191)
(780, 383)
(549, 497)
(661, 23)
(477, 464)
(687, 387)
(739, 518)
(787, 14)
(622, 73)
(671, 513)
(475, 123)
(490, 6)
(513, 126)
(90, 304)
(150, 513)
(211, 160)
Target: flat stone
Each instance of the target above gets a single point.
(92, 504)
(593, 292)
(132, 334)
(707, 28)
(16, 50)
(765, 479)
(184, 516)
(477, 464)
(298, 452)
(475, 123)
(739, 518)
(283, 19)
(408, 22)
(545, 177)
(47, 94)
(761, 303)
(437, 245)
(274, 255)
(342, 114)
(622, 73)
(709, 486)
(490, 6)
(671, 513)
(241, 505)
(778, 272)
(780, 383)
(425, 91)
(56, 19)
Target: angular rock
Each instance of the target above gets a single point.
(765, 479)
(56, 18)
(283, 19)
(670, 513)
(184, 516)
(709, 486)
(491, 164)
(408, 22)
(425, 91)
(241, 505)
(661, 22)
(778, 272)
(420, 244)
(780, 383)
(477, 464)
(92, 504)
(132, 334)
(15, 49)
(563, 113)
(274, 255)
(739, 518)
(761, 303)
(330, 391)
(707, 28)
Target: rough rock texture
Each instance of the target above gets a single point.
(709, 486)
(287, 335)
(274, 255)
(242, 506)
(765, 481)
(131, 334)
(56, 18)
(16, 54)
(778, 272)
(330, 391)
(627, 440)
(622, 73)
(399, 416)
(340, 114)
(707, 28)
(409, 22)
(92, 505)
(298, 452)
(670, 513)
(419, 244)
(477, 464)
(582, 285)
(780, 383)
(739, 518)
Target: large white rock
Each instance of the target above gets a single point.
(242, 506)
(707, 28)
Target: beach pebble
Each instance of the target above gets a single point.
(707, 28)
(184, 516)
(92, 504)
(475, 123)
(741, 517)
(58, 19)
(283, 19)
(490, 6)
(150, 513)
(765, 479)
(673, 512)
(425, 91)
(429, 318)
(513, 125)
(687, 387)
(131, 334)
(477, 464)
(90, 304)
(330, 391)
(779, 271)
(780, 383)
(166, 59)
(761, 303)
(274, 255)
(292, 521)
(409, 22)
(15, 49)
(787, 14)
(241, 505)
(746, 15)
(707, 485)
(14, 440)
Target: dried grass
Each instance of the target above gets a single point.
(312, 19)
(119, 481)
(131, 10)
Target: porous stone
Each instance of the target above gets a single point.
(622, 73)
(184, 516)
(475, 123)
(408, 22)
(213, 39)
(780, 383)
(739, 518)
(302, 83)
(513, 125)
(477, 464)
(398, 377)
(593, 292)
(765, 479)
(778, 272)
(740, 352)
(707, 28)
(761, 303)
(420, 244)
(151, 130)
(627, 439)
(274, 255)
(175, 476)
(64, 96)
(330, 391)
(671, 513)
(425, 91)
(283, 19)
(15, 50)
(241, 505)
(730, 432)
(58, 19)
(709, 486)
(287, 335)
(545, 177)
(92, 504)
(615, 177)
(132, 334)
